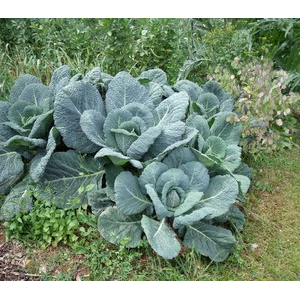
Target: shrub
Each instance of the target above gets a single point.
(149, 158)
(263, 106)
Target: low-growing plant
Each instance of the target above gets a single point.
(46, 225)
(149, 158)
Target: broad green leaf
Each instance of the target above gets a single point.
(39, 164)
(210, 103)
(214, 88)
(233, 158)
(111, 173)
(151, 173)
(70, 103)
(193, 90)
(34, 94)
(212, 241)
(244, 182)
(206, 160)
(124, 89)
(172, 109)
(134, 117)
(168, 91)
(169, 135)
(230, 133)
(5, 132)
(192, 198)
(234, 216)
(60, 78)
(18, 200)
(199, 123)
(42, 125)
(160, 210)
(120, 229)
(197, 174)
(21, 83)
(139, 147)
(215, 146)
(22, 143)
(155, 91)
(216, 201)
(97, 78)
(227, 105)
(117, 158)
(189, 134)
(245, 170)
(11, 169)
(173, 177)
(64, 175)
(128, 195)
(15, 129)
(161, 237)
(91, 123)
(99, 201)
(156, 75)
(178, 157)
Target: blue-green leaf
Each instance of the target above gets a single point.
(65, 174)
(18, 200)
(70, 103)
(118, 158)
(120, 229)
(128, 195)
(91, 123)
(198, 175)
(156, 75)
(124, 89)
(229, 132)
(212, 241)
(22, 82)
(216, 201)
(11, 169)
(160, 210)
(161, 238)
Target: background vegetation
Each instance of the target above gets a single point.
(257, 60)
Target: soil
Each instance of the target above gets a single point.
(13, 261)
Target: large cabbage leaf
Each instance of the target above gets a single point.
(118, 228)
(212, 241)
(65, 177)
(70, 104)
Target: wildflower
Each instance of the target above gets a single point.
(279, 122)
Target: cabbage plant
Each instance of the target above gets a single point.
(131, 125)
(207, 101)
(171, 200)
(150, 159)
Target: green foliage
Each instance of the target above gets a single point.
(214, 43)
(38, 46)
(47, 225)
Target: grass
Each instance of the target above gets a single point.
(24, 61)
(268, 248)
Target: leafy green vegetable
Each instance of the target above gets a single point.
(147, 157)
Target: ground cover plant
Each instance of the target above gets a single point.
(148, 157)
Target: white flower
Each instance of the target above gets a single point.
(279, 122)
(287, 112)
